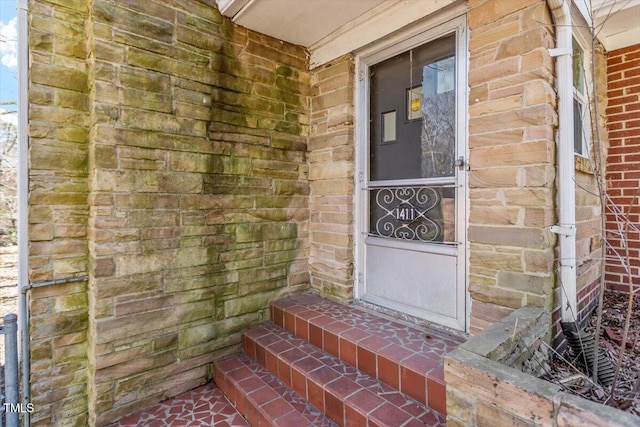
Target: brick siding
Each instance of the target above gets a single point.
(623, 166)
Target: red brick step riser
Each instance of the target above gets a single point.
(412, 373)
(333, 387)
(258, 402)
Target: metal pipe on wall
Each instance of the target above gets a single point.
(23, 198)
(566, 229)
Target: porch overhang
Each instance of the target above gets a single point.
(331, 28)
(616, 23)
(328, 28)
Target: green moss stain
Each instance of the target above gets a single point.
(284, 70)
(255, 122)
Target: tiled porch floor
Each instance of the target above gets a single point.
(203, 406)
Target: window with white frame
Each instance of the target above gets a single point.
(581, 124)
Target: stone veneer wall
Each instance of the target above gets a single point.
(58, 211)
(331, 179)
(623, 163)
(512, 108)
(193, 133)
(187, 135)
(513, 118)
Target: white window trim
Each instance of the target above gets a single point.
(582, 36)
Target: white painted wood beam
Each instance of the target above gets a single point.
(379, 22)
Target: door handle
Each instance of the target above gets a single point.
(460, 163)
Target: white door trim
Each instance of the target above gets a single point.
(377, 53)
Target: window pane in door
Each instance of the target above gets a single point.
(419, 85)
(425, 214)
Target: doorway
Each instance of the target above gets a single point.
(412, 177)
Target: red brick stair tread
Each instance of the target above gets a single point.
(338, 389)
(263, 399)
(403, 356)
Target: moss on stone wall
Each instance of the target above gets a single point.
(187, 135)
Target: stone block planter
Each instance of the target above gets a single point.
(491, 381)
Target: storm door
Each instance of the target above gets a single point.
(413, 184)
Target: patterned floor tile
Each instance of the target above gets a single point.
(202, 407)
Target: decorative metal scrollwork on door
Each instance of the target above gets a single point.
(411, 213)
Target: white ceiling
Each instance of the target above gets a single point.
(330, 28)
(617, 22)
(315, 24)
(302, 22)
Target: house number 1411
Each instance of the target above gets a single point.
(406, 213)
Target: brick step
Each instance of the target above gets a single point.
(261, 398)
(406, 357)
(344, 394)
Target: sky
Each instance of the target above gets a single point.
(8, 58)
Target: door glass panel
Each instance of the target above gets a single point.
(437, 136)
(412, 136)
(425, 214)
(420, 86)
